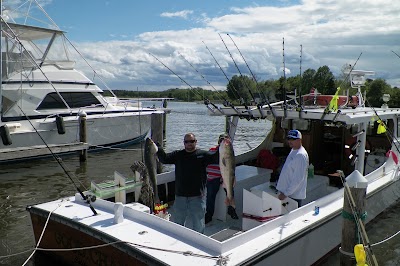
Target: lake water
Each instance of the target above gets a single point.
(28, 183)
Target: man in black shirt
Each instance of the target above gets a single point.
(190, 181)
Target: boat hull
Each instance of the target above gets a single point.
(312, 246)
(64, 233)
(116, 130)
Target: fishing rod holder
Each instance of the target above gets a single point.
(358, 133)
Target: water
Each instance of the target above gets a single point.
(34, 182)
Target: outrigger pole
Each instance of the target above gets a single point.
(300, 107)
(284, 79)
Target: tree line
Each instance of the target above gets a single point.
(245, 90)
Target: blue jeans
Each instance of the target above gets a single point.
(212, 190)
(192, 207)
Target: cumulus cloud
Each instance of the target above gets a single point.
(180, 14)
(332, 33)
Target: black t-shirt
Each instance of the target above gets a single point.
(190, 170)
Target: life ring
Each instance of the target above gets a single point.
(349, 145)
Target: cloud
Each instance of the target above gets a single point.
(180, 14)
(332, 33)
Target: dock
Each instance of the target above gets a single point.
(40, 150)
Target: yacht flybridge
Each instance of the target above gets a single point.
(43, 96)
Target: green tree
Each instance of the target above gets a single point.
(239, 87)
(375, 90)
(307, 81)
(324, 80)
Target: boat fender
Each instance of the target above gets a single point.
(5, 135)
(60, 125)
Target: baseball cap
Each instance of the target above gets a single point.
(294, 134)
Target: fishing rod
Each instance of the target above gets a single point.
(284, 79)
(202, 76)
(248, 88)
(396, 54)
(206, 101)
(300, 107)
(88, 198)
(17, 41)
(226, 102)
(230, 54)
(326, 110)
(254, 78)
(233, 87)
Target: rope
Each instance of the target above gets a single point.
(41, 235)
(385, 240)
(221, 260)
(111, 148)
(350, 216)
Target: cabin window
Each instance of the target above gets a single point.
(300, 124)
(73, 99)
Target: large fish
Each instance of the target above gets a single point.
(150, 160)
(227, 166)
(146, 196)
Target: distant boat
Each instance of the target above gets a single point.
(43, 95)
(269, 231)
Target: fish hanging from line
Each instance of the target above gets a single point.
(146, 196)
(227, 166)
(150, 160)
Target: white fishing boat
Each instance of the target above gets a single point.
(268, 231)
(43, 95)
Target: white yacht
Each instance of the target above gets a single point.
(43, 96)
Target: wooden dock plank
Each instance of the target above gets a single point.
(39, 150)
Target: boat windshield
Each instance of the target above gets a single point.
(26, 47)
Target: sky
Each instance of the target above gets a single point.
(146, 45)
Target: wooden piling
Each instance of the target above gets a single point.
(82, 136)
(157, 132)
(351, 233)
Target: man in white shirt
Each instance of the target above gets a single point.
(293, 177)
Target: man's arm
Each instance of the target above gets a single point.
(166, 158)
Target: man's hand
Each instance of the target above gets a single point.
(281, 196)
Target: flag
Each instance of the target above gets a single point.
(333, 105)
(381, 127)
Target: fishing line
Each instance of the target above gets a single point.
(205, 101)
(230, 54)
(326, 110)
(140, 124)
(396, 54)
(255, 80)
(229, 83)
(87, 198)
(203, 77)
(15, 40)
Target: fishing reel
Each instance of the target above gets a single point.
(90, 198)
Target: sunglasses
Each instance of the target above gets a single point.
(190, 141)
(291, 139)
